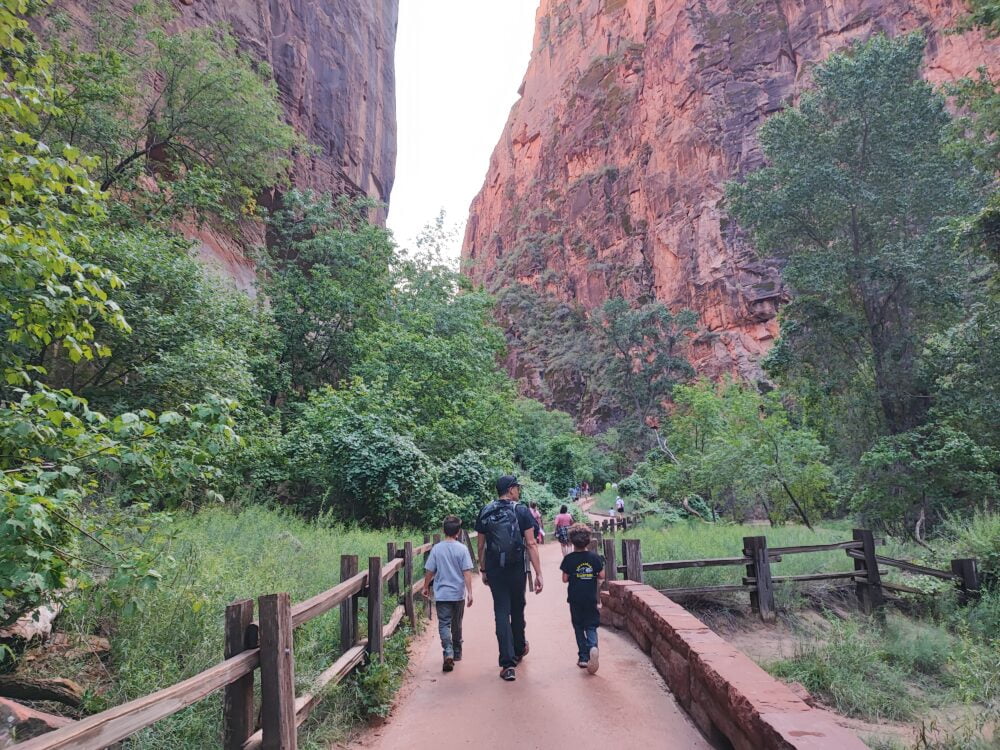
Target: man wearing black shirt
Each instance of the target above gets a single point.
(583, 570)
(506, 572)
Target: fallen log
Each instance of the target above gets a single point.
(19, 722)
(38, 689)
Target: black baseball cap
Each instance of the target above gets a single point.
(505, 482)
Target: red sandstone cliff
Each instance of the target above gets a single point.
(333, 63)
(608, 177)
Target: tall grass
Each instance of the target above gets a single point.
(209, 561)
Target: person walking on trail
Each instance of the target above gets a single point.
(536, 513)
(449, 566)
(620, 505)
(583, 571)
(563, 521)
(506, 534)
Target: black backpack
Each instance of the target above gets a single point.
(504, 540)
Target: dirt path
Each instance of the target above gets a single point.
(552, 704)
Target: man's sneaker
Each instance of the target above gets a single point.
(508, 674)
(518, 657)
(581, 664)
(449, 664)
(594, 663)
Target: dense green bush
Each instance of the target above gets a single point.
(357, 465)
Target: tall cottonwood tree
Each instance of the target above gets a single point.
(857, 193)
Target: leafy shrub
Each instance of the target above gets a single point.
(356, 464)
(978, 536)
(637, 485)
(467, 477)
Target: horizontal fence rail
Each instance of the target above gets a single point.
(266, 644)
(759, 582)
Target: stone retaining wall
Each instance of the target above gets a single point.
(729, 697)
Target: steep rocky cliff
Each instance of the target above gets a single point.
(333, 63)
(608, 177)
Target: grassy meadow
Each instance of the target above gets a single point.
(208, 561)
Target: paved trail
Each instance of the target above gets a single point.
(552, 704)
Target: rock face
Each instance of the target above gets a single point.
(608, 178)
(333, 63)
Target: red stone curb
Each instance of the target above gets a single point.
(728, 695)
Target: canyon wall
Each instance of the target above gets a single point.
(333, 63)
(608, 177)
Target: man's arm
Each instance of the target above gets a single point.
(480, 550)
(529, 541)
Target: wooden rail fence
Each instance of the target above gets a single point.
(266, 643)
(759, 582)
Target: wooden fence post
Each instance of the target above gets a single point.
(374, 609)
(427, 601)
(869, 592)
(610, 565)
(969, 585)
(472, 548)
(349, 609)
(277, 673)
(761, 600)
(633, 559)
(411, 613)
(390, 555)
(237, 701)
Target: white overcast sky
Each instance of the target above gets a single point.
(458, 66)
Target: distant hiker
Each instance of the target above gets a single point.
(539, 524)
(449, 566)
(563, 521)
(574, 492)
(583, 570)
(506, 532)
(620, 505)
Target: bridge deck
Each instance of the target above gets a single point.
(552, 704)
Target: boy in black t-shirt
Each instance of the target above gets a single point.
(583, 571)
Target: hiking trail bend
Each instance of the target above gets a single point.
(553, 703)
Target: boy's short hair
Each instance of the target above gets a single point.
(452, 525)
(579, 535)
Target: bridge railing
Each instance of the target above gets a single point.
(759, 582)
(266, 643)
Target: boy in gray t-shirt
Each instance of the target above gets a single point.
(449, 565)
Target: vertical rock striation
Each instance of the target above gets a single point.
(608, 178)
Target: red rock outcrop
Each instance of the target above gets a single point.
(333, 63)
(608, 178)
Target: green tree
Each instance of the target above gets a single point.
(639, 361)
(200, 120)
(57, 456)
(190, 334)
(328, 281)
(857, 194)
(349, 458)
(437, 351)
(737, 449)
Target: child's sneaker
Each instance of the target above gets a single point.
(508, 674)
(594, 662)
(581, 664)
(458, 656)
(449, 664)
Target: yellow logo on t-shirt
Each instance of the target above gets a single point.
(585, 571)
